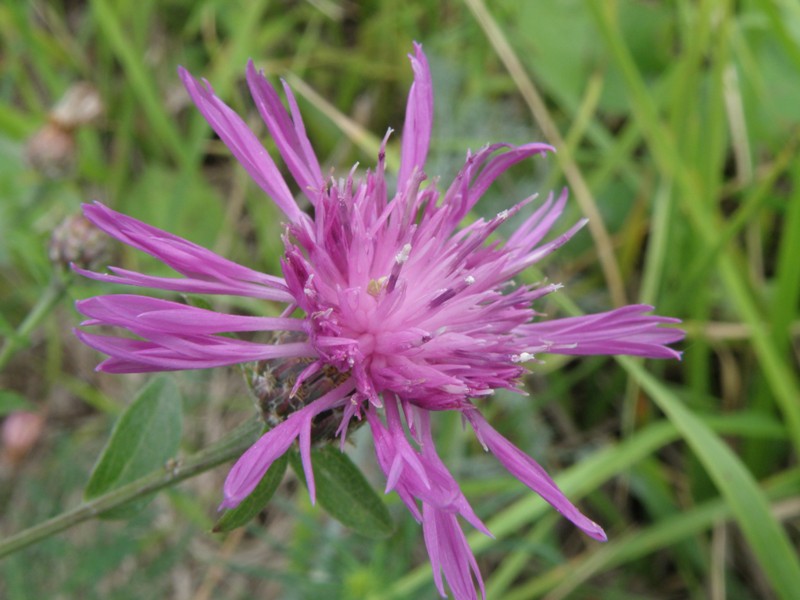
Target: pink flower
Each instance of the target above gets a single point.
(414, 313)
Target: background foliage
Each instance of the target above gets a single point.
(677, 126)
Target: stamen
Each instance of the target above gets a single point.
(402, 256)
(399, 260)
(442, 298)
(449, 293)
(322, 314)
(429, 336)
(307, 289)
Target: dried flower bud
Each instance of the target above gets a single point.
(21, 430)
(51, 151)
(77, 240)
(80, 105)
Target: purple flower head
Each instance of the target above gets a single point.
(412, 312)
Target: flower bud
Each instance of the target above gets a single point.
(51, 151)
(76, 240)
(21, 430)
(80, 105)
(272, 384)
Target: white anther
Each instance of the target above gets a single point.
(402, 256)
(469, 280)
(502, 215)
(322, 314)
(307, 289)
(522, 357)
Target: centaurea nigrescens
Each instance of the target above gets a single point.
(414, 314)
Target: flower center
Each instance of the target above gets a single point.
(366, 343)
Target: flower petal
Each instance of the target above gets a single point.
(418, 122)
(624, 330)
(477, 175)
(450, 553)
(289, 134)
(243, 144)
(251, 466)
(528, 471)
(205, 270)
(174, 353)
(142, 313)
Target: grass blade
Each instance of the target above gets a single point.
(768, 541)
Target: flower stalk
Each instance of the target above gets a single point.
(226, 449)
(47, 302)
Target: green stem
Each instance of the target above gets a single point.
(226, 449)
(47, 302)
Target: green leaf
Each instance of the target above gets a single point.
(12, 401)
(343, 491)
(145, 437)
(765, 535)
(256, 501)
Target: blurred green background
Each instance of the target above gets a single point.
(677, 128)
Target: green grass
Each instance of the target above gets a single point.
(678, 125)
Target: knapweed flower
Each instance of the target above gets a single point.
(413, 313)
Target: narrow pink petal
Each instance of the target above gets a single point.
(312, 163)
(143, 312)
(289, 134)
(439, 493)
(305, 457)
(625, 330)
(456, 500)
(188, 285)
(172, 353)
(450, 553)
(185, 257)
(418, 122)
(394, 473)
(528, 471)
(386, 451)
(551, 246)
(253, 464)
(122, 366)
(502, 162)
(477, 175)
(393, 450)
(200, 321)
(535, 227)
(243, 144)
(430, 533)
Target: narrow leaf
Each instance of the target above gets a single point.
(256, 501)
(144, 438)
(343, 491)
